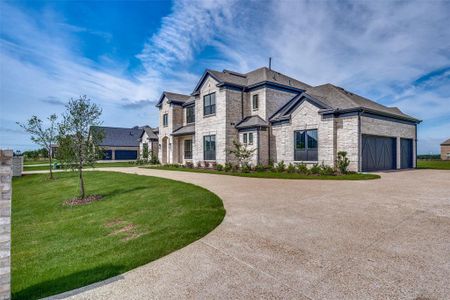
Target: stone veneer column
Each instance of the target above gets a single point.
(6, 157)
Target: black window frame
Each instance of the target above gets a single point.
(210, 108)
(188, 149)
(190, 114)
(250, 138)
(244, 138)
(255, 100)
(209, 147)
(306, 145)
(165, 120)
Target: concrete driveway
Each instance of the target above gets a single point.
(306, 239)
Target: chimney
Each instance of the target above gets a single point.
(270, 63)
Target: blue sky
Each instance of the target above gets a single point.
(124, 54)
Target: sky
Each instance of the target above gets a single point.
(123, 55)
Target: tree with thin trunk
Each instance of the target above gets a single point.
(79, 136)
(242, 154)
(43, 136)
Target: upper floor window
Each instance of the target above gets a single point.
(165, 120)
(209, 104)
(255, 102)
(190, 114)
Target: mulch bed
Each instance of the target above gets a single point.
(78, 201)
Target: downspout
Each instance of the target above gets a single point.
(269, 129)
(359, 141)
(257, 149)
(242, 104)
(415, 141)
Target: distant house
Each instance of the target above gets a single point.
(120, 143)
(445, 150)
(149, 139)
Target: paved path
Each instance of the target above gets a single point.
(300, 239)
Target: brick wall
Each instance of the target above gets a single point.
(445, 152)
(6, 157)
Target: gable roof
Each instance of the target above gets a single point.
(184, 130)
(150, 133)
(446, 143)
(174, 98)
(284, 113)
(251, 79)
(120, 137)
(252, 122)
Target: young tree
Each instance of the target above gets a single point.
(79, 136)
(242, 153)
(43, 136)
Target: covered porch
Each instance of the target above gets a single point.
(183, 144)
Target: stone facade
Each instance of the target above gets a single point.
(152, 146)
(272, 141)
(6, 157)
(17, 166)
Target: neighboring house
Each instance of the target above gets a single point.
(53, 150)
(120, 143)
(445, 150)
(284, 120)
(149, 140)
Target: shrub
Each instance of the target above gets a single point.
(213, 165)
(291, 168)
(342, 162)
(315, 169)
(199, 164)
(206, 164)
(235, 168)
(327, 170)
(270, 163)
(302, 169)
(228, 167)
(246, 168)
(154, 160)
(281, 166)
(219, 167)
(260, 168)
(189, 164)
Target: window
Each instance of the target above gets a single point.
(190, 114)
(165, 120)
(209, 147)
(250, 138)
(244, 138)
(255, 102)
(187, 149)
(306, 145)
(209, 104)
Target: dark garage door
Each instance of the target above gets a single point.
(126, 154)
(378, 153)
(406, 153)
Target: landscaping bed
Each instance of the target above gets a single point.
(276, 171)
(58, 247)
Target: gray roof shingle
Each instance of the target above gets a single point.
(446, 143)
(173, 98)
(120, 137)
(150, 133)
(184, 130)
(252, 122)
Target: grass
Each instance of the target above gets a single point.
(433, 164)
(268, 174)
(97, 165)
(56, 248)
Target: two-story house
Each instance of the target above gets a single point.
(283, 119)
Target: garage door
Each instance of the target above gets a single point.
(378, 153)
(126, 154)
(406, 153)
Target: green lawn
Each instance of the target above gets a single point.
(97, 165)
(56, 248)
(433, 164)
(268, 174)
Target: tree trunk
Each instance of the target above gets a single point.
(82, 194)
(50, 164)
